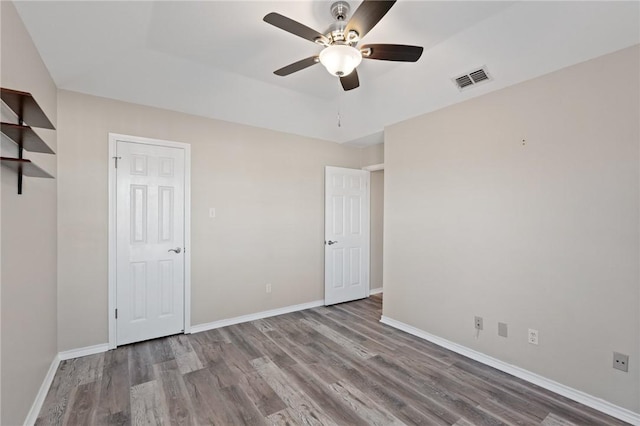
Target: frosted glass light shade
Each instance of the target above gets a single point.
(340, 60)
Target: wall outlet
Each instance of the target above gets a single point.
(621, 362)
(502, 329)
(533, 336)
(478, 323)
(268, 288)
(212, 212)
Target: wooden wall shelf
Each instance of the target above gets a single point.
(26, 108)
(25, 136)
(25, 166)
(28, 111)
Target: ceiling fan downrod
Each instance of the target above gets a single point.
(340, 10)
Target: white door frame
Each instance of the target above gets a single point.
(113, 138)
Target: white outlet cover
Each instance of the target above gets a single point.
(533, 336)
(212, 212)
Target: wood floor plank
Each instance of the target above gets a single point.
(265, 346)
(262, 395)
(148, 405)
(160, 350)
(188, 362)
(282, 418)
(180, 344)
(140, 363)
(507, 414)
(92, 368)
(389, 397)
(179, 407)
(208, 402)
(235, 336)
(262, 326)
(331, 403)
(243, 409)
(362, 405)
(335, 365)
(458, 404)
(295, 349)
(114, 406)
(338, 338)
(304, 409)
(70, 374)
(553, 420)
(82, 409)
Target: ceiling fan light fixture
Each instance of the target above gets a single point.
(340, 60)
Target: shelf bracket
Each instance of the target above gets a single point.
(20, 154)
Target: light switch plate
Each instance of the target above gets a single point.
(502, 329)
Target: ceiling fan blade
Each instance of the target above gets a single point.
(297, 66)
(392, 52)
(294, 27)
(368, 15)
(350, 81)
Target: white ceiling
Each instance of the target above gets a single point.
(216, 58)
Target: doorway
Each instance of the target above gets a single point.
(149, 253)
(346, 245)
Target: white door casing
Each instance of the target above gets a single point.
(149, 247)
(346, 250)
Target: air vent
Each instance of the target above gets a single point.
(464, 81)
(472, 78)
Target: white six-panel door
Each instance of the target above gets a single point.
(346, 250)
(150, 241)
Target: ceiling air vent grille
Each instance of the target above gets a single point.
(464, 81)
(472, 78)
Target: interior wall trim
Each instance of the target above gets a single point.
(87, 350)
(258, 315)
(375, 291)
(566, 391)
(32, 415)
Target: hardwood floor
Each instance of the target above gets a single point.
(325, 366)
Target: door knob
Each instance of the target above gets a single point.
(176, 250)
(331, 242)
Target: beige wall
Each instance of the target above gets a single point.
(543, 235)
(377, 228)
(29, 335)
(267, 188)
(373, 154)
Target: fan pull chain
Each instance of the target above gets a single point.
(339, 123)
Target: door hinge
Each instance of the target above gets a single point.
(116, 160)
(116, 314)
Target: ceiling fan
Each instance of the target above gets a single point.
(340, 56)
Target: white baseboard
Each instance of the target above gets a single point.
(375, 291)
(258, 315)
(33, 413)
(88, 350)
(566, 391)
